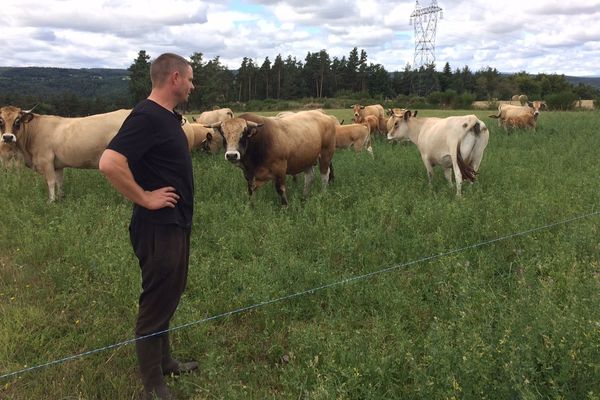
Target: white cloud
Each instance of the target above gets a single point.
(553, 36)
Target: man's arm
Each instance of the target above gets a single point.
(113, 165)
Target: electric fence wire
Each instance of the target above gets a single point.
(303, 293)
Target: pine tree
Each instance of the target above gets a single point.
(140, 84)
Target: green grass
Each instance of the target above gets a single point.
(518, 318)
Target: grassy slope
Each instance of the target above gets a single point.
(514, 319)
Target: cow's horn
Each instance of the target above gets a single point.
(30, 110)
(214, 125)
(253, 124)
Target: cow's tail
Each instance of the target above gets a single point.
(330, 171)
(466, 169)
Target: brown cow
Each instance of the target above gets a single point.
(50, 143)
(356, 135)
(271, 148)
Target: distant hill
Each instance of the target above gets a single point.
(43, 83)
(592, 81)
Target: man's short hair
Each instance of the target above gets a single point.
(165, 65)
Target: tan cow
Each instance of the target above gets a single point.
(211, 117)
(284, 114)
(360, 112)
(372, 122)
(271, 148)
(355, 135)
(202, 137)
(454, 143)
(520, 122)
(506, 111)
(50, 143)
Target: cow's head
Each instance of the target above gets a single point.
(212, 143)
(236, 135)
(12, 120)
(357, 110)
(400, 128)
(536, 106)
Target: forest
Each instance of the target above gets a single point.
(287, 83)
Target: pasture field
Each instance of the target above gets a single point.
(517, 318)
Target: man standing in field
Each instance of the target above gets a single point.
(148, 161)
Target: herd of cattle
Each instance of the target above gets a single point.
(265, 148)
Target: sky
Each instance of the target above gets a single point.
(542, 36)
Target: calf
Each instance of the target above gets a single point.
(371, 122)
(355, 135)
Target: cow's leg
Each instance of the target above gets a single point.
(251, 187)
(309, 177)
(448, 175)
(326, 172)
(367, 144)
(280, 187)
(47, 169)
(382, 128)
(429, 169)
(59, 173)
(457, 174)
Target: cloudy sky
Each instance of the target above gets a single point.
(542, 36)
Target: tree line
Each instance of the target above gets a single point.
(319, 76)
(284, 82)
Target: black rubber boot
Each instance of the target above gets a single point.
(149, 353)
(169, 364)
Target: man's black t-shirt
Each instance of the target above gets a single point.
(156, 148)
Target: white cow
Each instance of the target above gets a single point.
(454, 143)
